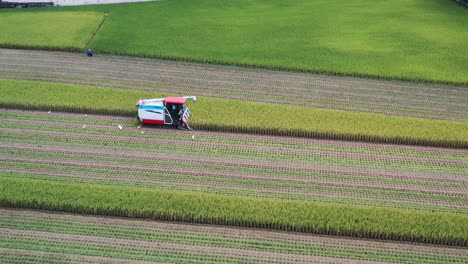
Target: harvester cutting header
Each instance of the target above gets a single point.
(169, 111)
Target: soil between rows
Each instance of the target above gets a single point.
(250, 163)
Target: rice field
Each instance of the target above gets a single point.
(40, 237)
(49, 30)
(405, 39)
(429, 101)
(233, 115)
(86, 187)
(57, 151)
(92, 150)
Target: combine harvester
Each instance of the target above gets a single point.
(169, 111)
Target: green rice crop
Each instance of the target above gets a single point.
(238, 116)
(333, 219)
(417, 39)
(51, 30)
(209, 236)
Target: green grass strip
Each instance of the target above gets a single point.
(333, 219)
(238, 116)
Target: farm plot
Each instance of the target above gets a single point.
(49, 30)
(310, 90)
(40, 237)
(93, 150)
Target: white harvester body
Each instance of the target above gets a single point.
(169, 111)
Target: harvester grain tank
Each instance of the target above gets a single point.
(169, 111)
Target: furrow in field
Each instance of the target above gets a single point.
(246, 162)
(115, 69)
(65, 152)
(461, 191)
(60, 119)
(131, 247)
(147, 240)
(25, 256)
(233, 82)
(288, 153)
(257, 148)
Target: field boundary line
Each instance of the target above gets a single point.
(462, 2)
(106, 15)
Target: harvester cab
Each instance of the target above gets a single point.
(169, 111)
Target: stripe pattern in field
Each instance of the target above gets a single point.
(41, 237)
(92, 149)
(345, 93)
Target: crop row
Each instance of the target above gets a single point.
(396, 98)
(238, 116)
(86, 130)
(23, 227)
(301, 157)
(229, 164)
(203, 177)
(309, 217)
(107, 125)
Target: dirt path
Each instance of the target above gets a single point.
(357, 94)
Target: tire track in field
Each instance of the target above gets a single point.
(24, 255)
(395, 98)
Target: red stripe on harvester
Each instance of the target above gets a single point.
(153, 122)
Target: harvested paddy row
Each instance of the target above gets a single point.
(395, 98)
(73, 148)
(41, 236)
